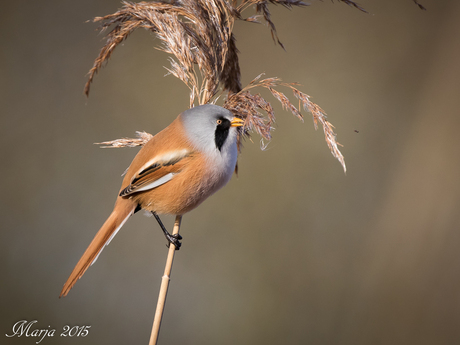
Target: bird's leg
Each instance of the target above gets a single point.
(174, 239)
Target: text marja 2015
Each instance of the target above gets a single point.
(25, 328)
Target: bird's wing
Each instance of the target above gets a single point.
(157, 171)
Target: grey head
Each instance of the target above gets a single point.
(209, 127)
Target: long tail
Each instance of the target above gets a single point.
(122, 211)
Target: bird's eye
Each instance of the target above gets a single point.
(219, 122)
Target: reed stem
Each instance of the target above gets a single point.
(164, 287)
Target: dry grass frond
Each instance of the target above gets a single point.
(142, 138)
(198, 36)
(187, 30)
(247, 106)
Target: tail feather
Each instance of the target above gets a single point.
(119, 216)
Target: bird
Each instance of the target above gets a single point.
(173, 173)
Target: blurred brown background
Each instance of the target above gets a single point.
(292, 251)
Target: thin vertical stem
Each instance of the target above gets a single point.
(164, 287)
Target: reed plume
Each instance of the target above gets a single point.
(198, 34)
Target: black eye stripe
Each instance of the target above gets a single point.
(221, 133)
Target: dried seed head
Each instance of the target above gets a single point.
(198, 34)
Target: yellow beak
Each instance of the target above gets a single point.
(236, 122)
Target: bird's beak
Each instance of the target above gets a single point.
(236, 122)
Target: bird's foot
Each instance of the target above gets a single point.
(174, 239)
